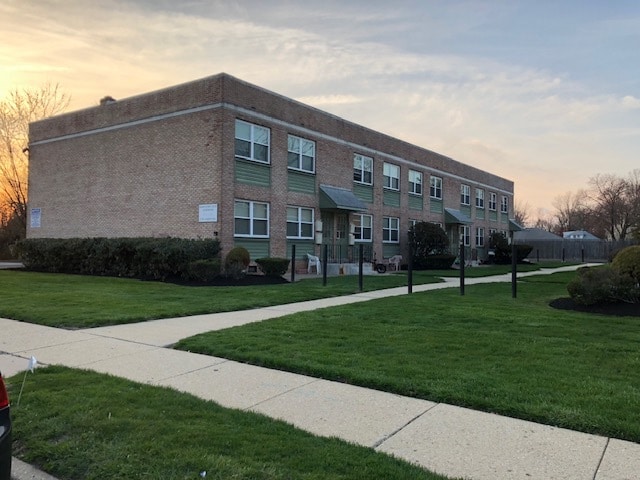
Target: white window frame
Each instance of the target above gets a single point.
(415, 182)
(253, 142)
(479, 198)
(391, 174)
(299, 153)
(363, 170)
(466, 235)
(390, 225)
(465, 194)
(252, 219)
(435, 187)
(504, 204)
(493, 201)
(480, 237)
(300, 222)
(360, 230)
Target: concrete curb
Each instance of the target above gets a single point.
(24, 471)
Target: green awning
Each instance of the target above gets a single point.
(335, 198)
(514, 227)
(456, 217)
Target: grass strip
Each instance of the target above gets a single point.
(77, 424)
(485, 350)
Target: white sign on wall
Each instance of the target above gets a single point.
(36, 217)
(208, 213)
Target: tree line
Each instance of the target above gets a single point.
(609, 208)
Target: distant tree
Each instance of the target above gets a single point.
(522, 213)
(17, 110)
(572, 211)
(612, 204)
(546, 221)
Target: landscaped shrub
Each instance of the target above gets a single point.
(204, 270)
(430, 246)
(603, 285)
(273, 267)
(153, 258)
(236, 262)
(499, 243)
(627, 262)
(435, 262)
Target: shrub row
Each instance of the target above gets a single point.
(151, 258)
(273, 267)
(434, 262)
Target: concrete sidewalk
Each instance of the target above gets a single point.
(454, 441)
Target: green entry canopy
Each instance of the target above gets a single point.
(335, 198)
(514, 226)
(452, 216)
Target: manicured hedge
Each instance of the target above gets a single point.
(152, 258)
(273, 267)
(434, 262)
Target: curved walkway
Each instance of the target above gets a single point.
(450, 440)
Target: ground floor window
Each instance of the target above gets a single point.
(390, 229)
(299, 222)
(465, 231)
(479, 237)
(251, 219)
(363, 231)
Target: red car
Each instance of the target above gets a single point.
(5, 433)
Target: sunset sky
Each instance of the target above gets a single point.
(545, 93)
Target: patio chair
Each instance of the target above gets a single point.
(396, 260)
(313, 261)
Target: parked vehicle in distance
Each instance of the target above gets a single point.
(5, 433)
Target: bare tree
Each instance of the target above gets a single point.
(521, 213)
(546, 221)
(572, 211)
(612, 204)
(17, 110)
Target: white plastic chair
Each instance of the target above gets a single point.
(313, 261)
(396, 260)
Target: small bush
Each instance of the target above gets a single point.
(204, 270)
(273, 267)
(434, 262)
(500, 244)
(627, 262)
(602, 285)
(236, 262)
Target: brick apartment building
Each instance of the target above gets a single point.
(221, 157)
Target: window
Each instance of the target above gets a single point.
(391, 176)
(412, 223)
(299, 222)
(252, 142)
(390, 230)
(363, 227)
(363, 169)
(492, 231)
(435, 189)
(415, 182)
(504, 205)
(465, 194)
(302, 154)
(465, 231)
(251, 219)
(479, 198)
(492, 201)
(479, 237)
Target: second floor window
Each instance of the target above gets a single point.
(362, 169)
(479, 198)
(504, 205)
(301, 154)
(465, 194)
(435, 188)
(391, 176)
(492, 201)
(415, 182)
(252, 142)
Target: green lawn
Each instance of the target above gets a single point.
(485, 350)
(80, 425)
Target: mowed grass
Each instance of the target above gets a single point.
(76, 424)
(77, 301)
(485, 350)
